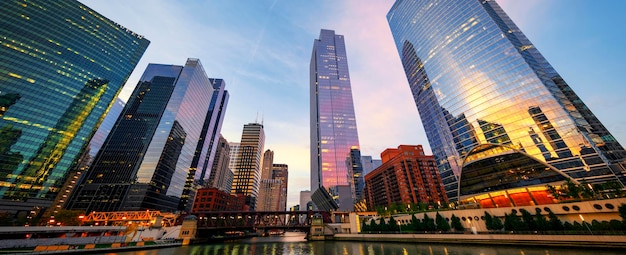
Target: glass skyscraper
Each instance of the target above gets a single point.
(333, 122)
(145, 161)
(477, 80)
(62, 65)
(207, 146)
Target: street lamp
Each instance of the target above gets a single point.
(583, 219)
(399, 227)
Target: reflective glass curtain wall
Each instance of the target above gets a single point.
(476, 79)
(146, 158)
(333, 122)
(61, 67)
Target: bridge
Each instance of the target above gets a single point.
(216, 223)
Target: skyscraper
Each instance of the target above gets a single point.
(62, 66)
(206, 148)
(273, 191)
(477, 80)
(333, 122)
(407, 176)
(248, 169)
(221, 176)
(146, 158)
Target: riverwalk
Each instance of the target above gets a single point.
(588, 241)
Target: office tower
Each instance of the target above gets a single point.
(234, 155)
(268, 188)
(207, 145)
(145, 160)
(221, 177)
(248, 169)
(273, 191)
(333, 122)
(369, 164)
(105, 128)
(269, 192)
(477, 80)
(280, 172)
(407, 176)
(268, 162)
(356, 166)
(62, 66)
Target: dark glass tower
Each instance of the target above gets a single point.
(145, 161)
(206, 148)
(61, 67)
(485, 93)
(333, 122)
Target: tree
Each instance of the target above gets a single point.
(528, 219)
(512, 222)
(382, 225)
(496, 223)
(442, 224)
(554, 222)
(373, 227)
(541, 222)
(622, 211)
(488, 221)
(392, 225)
(456, 223)
(429, 223)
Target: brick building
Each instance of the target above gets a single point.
(213, 199)
(406, 176)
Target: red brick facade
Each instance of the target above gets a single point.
(406, 176)
(213, 199)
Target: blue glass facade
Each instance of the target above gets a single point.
(206, 148)
(61, 67)
(145, 160)
(333, 122)
(476, 79)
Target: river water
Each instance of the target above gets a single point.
(294, 243)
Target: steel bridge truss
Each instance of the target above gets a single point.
(255, 220)
(167, 219)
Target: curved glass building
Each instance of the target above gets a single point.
(477, 80)
(62, 65)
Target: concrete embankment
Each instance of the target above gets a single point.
(588, 241)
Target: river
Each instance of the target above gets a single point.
(294, 243)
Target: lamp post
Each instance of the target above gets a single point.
(584, 223)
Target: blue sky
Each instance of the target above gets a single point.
(262, 50)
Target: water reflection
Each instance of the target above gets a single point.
(297, 245)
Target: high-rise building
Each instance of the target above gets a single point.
(268, 188)
(407, 176)
(221, 177)
(281, 172)
(146, 158)
(62, 66)
(485, 93)
(105, 128)
(369, 164)
(234, 155)
(248, 168)
(206, 148)
(268, 162)
(333, 122)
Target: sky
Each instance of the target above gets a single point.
(262, 49)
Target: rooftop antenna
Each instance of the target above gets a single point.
(262, 118)
(256, 119)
